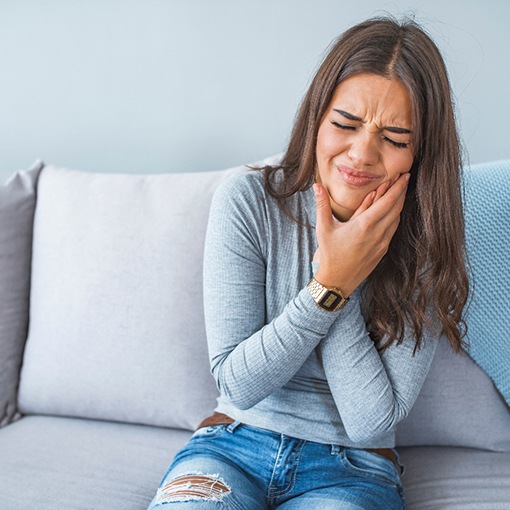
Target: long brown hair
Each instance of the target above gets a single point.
(422, 279)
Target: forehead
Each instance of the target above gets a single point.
(374, 99)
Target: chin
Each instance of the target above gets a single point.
(347, 205)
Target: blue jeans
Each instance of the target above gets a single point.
(238, 467)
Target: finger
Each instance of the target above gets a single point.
(394, 211)
(399, 183)
(388, 235)
(367, 202)
(389, 206)
(381, 190)
(392, 228)
(323, 206)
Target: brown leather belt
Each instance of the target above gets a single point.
(223, 419)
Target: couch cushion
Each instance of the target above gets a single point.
(443, 478)
(458, 405)
(117, 329)
(50, 463)
(488, 244)
(17, 202)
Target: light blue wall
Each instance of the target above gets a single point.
(190, 85)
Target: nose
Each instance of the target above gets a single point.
(364, 150)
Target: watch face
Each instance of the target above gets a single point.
(330, 300)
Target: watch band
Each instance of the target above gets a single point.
(329, 299)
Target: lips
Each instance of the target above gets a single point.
(355, 177)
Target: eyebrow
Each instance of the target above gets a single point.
(393, 129)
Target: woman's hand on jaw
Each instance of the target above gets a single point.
(350, 251)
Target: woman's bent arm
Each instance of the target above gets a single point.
(249, 358)
(373, 391)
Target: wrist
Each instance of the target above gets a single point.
(323, 276)
(329, 299)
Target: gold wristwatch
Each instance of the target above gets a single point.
(329, 299)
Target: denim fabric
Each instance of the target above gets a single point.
(238, 467)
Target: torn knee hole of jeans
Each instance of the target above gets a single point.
(193, 486)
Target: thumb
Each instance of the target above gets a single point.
(323, 206)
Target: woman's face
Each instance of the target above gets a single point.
(364, 139)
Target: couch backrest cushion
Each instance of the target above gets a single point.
(17, 203)
(458, 406)
(117, 329)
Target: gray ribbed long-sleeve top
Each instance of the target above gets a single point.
(279, 361)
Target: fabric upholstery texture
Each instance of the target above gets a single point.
(438, 478)
(488, 246)
(66, 463)
(116, 328)
(458, 406)
(17, 203)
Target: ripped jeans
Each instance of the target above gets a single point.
(238, 467)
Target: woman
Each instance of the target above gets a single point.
(328, 280)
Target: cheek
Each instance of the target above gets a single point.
(328, 143)
(399, 164)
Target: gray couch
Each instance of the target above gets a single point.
(103, 358)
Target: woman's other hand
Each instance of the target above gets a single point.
(350, 251)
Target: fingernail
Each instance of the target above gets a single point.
(316, 189)
(407, 177)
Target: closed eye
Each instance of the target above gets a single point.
(399, 145)
(347, 127)
(343, 126)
